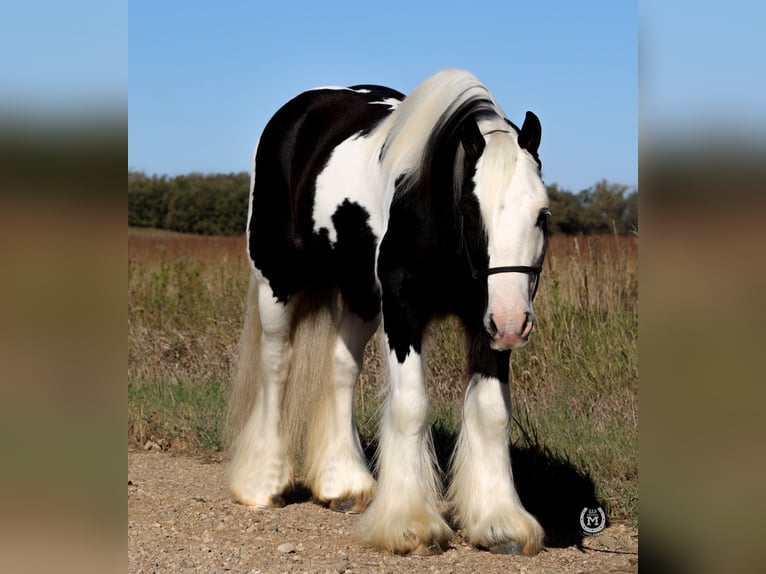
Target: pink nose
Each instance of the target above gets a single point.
(510, 335)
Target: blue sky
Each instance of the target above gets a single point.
(204, 77)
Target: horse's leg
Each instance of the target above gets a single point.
(337, 466)
(261, 472)
(405, 515)
(482, 492)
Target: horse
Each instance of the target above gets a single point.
(369, 206)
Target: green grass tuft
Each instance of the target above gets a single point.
(185, 415)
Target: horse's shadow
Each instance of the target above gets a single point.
(555, 492)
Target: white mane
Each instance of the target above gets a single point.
(408, 129)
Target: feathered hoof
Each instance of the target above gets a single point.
(407, 543)
(274, 501)
(515, 547)
(277, 501)
(432, 549)
(353, 504)
(507, 547)
(412, 545)
(350, 504)
(522, 536)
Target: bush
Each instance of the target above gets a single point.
(604, 208)
(204, 204)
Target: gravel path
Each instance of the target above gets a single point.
(181, 519)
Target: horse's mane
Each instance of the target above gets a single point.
(422, 142)
(429, 116)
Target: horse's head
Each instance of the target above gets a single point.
(513, 205)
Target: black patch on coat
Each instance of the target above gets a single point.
(294, 148)
(354, 258)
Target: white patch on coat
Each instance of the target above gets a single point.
(352, 173)
(392, 103)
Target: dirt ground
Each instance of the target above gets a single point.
(181, 519)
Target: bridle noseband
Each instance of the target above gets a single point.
(534, 271)
(506, 269)
(529, 270)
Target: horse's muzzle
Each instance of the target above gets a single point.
(509, 334)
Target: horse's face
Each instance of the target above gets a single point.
(514, 208)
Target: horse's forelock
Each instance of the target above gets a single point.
(498, 165)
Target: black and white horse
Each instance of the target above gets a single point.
(368, 204)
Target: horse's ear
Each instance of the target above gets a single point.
(531, 131)
(471, 138)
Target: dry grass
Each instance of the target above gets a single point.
(575, 386)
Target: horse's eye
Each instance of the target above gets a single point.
(542, 217)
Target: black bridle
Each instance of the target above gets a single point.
(533, 271)
(506, 269)
(529, 270)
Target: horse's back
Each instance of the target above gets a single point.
(314, 219)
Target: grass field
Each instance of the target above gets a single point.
(574, 387)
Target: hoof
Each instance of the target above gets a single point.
(275, 501)
(433, 549)
(424, 533)
(507, 547)
(348, 505)
(429, 548)
(511, 547)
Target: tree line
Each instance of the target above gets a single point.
(216, 204)
(204, 204)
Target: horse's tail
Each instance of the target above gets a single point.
(246, 385)
(309, 390)
(308, 410)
